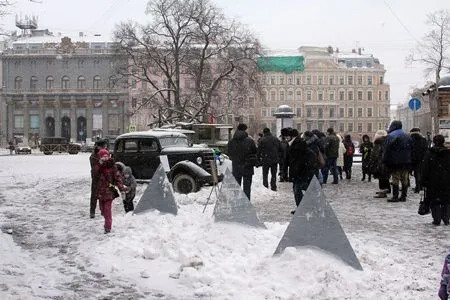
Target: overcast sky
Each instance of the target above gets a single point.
(388, 29)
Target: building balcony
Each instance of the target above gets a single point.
(55, 91)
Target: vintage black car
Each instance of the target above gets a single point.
(190, 167)
(49, 145)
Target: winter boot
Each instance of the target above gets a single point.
(381, 195)
(364, 177)
(370, 178)
(436, 213)
(404, 194)
(395, 190)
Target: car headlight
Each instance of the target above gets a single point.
(199, 160)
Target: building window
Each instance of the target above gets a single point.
(369, 95)
(341, 112)
(320, 113)
(290, 80)
(331, 79)
(379, 95)
(273, 96)
(298, 81)
(320, 96)
(331, 96)
(281, 80)
(251, 101)
(320, 80)
(308, 96)
(33, 83)
(308, 112)
(359, 80)
(350, 95)
(360, 125)
(299, 95)
(381, 80)
(263, 112)
(34, 121)
(133, 102)
(369, 80)
(112, 82)
(299, 111)
(350, 127)
(359, 63)
(341, 127)
(360, 112)
(341, 95)
(80, 63)
(281, 96)
(386, 95)
(18, 83)
(133, 83)
(272, 80)
(65, 82)
(350, 80)
(350, 112)
(368, 63)
(96, 82)
(320, 126)
(308, 79)
(331, 112)
(369, 127)
(341, 80)
(264, 96)
(290, 95)
(18, 122)
(299, 127)
(360, 95)
(49, 83)
(308, 126)
(349, 64)
(81, 82)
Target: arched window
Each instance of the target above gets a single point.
(81, 82)
(112, 81)
(33, 83)
(96, 82)
(65, 82)
(18, 83)
(49, 83)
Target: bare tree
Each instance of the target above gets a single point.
(434, 53)
(190, 42)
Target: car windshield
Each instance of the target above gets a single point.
(22, 145)
(171, 141)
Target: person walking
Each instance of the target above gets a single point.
(365, 149)
(242, 152)
(302, 166)
(331, 152)
(269, 152)
(130, 182)
(94, 161)
(109, 178)
(435, 178)
(348, 155)
(376, 166)
(397, 158)
(419, 147)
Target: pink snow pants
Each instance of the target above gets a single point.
(105, 208)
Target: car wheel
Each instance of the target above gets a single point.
(184, 184)
(48, 152)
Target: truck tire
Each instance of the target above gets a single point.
(48, 152)
(184, 184)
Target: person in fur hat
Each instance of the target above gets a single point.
(376, 167)
(109, 178)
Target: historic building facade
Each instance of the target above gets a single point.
(346, 91)
(54, 85)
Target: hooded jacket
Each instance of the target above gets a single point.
(130, 182)
(242, 152)
(398, 146)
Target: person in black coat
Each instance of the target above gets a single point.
(269, 152)
(348, 155)
(242, 152)
(302, 166)
(419, 147)
(284, 141)
(376, 166)
(435, 178)
(397, 158)
(365, 149)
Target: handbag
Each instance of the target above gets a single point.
(320, 160)
(424, 206)
(114, 190)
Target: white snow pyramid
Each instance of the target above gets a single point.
(233, 205)
(158, 195)
(315, 224)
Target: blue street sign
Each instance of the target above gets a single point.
(415, 104)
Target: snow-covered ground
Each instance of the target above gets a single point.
(51, 249)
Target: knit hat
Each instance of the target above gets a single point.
(242, 127)
(102, 153)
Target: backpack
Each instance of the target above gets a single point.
(349, 150)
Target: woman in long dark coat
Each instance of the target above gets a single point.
(436, 178)
(365, 149)
(376, 167)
